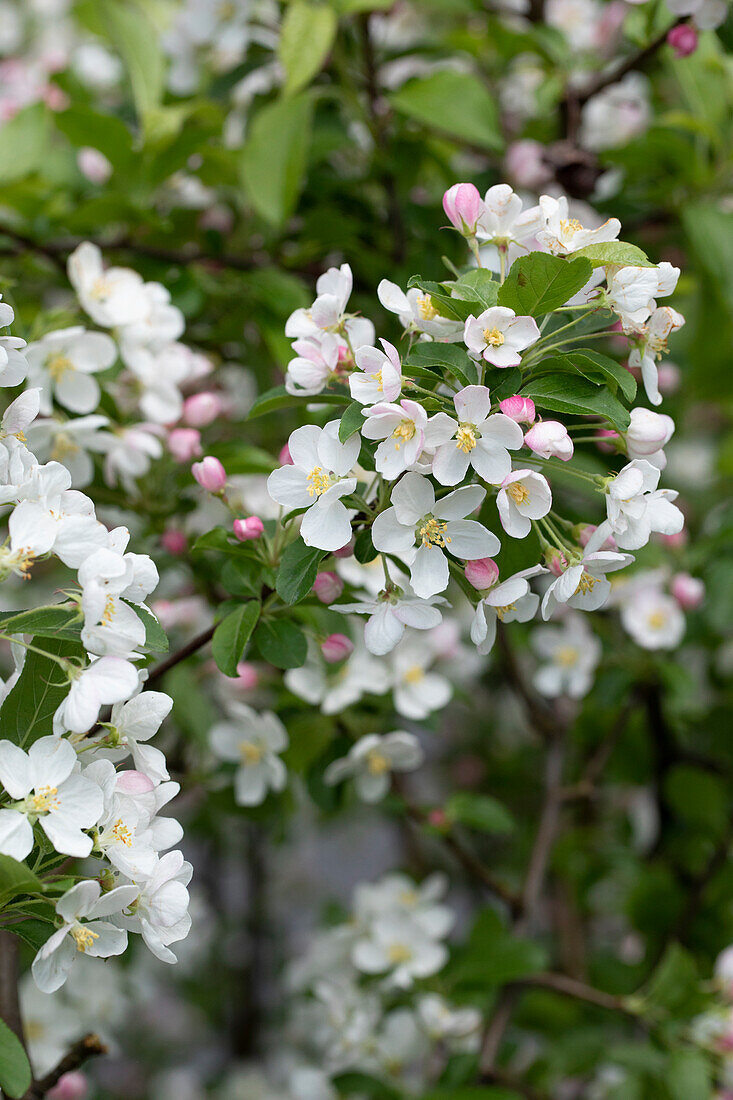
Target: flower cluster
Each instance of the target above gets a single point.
(61, 793)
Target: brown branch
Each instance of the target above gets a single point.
(90, 1046)
(577, 990)
(9, 973)
(181, 654)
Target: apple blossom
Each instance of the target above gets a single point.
(63, 364)
(336, 647)
(571, 653)
(210, 474)
(510, 601)
(403, 428)
(582, 584)
(316, 362)
(653, 619)
(397, 945)
(316, 481)
(389, 613)
(463, 207)
(327, 586)
(562, 234)
(416, 519)
(334, 689)
(550, 439)
(636, 508)
(112, 296)
(502, 219)
(524, 496)
(647, 434)
(106, 680)
(371, 761)
(476, 439)
(253, 741)
(417, 692)
(249, 528)
(381, 374)
(498, 335)
(160, 913)
(650, 343)
(688, 591)
(417, 313)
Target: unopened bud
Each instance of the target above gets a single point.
(583, 535)
(688, 591)
(175, 542)
(184, 444)
(438, 818)
(550, 439)
(462, 204)
(93, 164)
(201, 409)
(328, 587)
(210, 474)
(336, 647)
(70, 1086)
(557, 563)
(285, 457)
(677, 540)
(683, 39)
(247, 676)
(132, 782)
(249, 528)
(519, 408)
(603, 434)
(481, 573)
(345, 551)
(648, 432)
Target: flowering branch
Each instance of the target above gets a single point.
(90, 1046)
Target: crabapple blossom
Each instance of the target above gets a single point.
(550, 439)
(249, 528)
(417, 313)
(518, 408)
(253, 741)
(317, 481)
(82, 931)
(397, 945)
(476, 439)
(106, 680)
(498, 335)
(688, 591)
(389, 613)
(651, 342)
(160, 912)
(210, 474)
(463, 207)
(636, 508)
(334, 689)
(46, 788)
(502, 219)
(417, 519)
(524, 496)
(371, 761)
(381, 375)
(417, 692)
(571, 653)
(63, 365)
(582, 584)
(133, 723)
(112, 296)
(653, 619)
(327, 586)
(562, 234)
(510, 601)
(647, 435)
(316, 361)
(403, 428)
(336, 647)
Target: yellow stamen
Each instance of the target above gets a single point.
(433, 531)
(399, 953)
(109, 611)
(567, 656)
(404, 432)
(63, 447)
(502, 611)
(83, 937)
(122, 832)
(466, 438)
(251, 753)
(657, 620)
(414, 675)
(58, 365)
(493, 337)
(378, 379)
(518, 492)
(43, 800)
(571, 225)
(586, 584)
(320, 480)
(409, 898)
(425, 307)
(377, 762)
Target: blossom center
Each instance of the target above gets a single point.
(43, 800)
(399, 953)
(567, 656)
(83, 937)
(657, 620)
(425, 307)
(378, 379)
(404, 432)
(466, 438)
(504, 610)
(58, 365)
(570, 226)
(586, 584)
(320, 480)
(414, 675)
(122, 833)
(250, 753)
(63, 446)
(432, 531)
(493, 337)
(377, 762)
(109, 611)
(518, 492)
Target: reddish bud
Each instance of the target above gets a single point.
(336, 647)
(683, 40)
(462, 204)
(285, 457)
(688, 591)
(71, 1086)
(247, 676)
(201, 409)
(249, 528)
(438, 818)
(550, 439)
(519, 408)
(175, 542)
(328, 587)
(481, 573)
(345, 551)
(132, 782)
(210, 474)
(184, 444)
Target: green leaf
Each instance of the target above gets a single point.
(360, 1084)
(220, 540)
(27, 133)
(457, 103)
(278, 398)
(281, 643)
(479, 811)
(136, 39)
(275, 156)
(351, 421)
(477, 286)
(28, 709)
(16, 878)
(15, 1070)
(108, 133)
(156, 639)
(232, 636)
(364, 550)
(566, 393)
(472, 1092)
(35, 931)
(674, 984)
(538, 283)
(297, 572)
(688, 1075)
(614, 252)
(596, 368)
(494, 956)
(307, 33)
(444, 359)
(44, 622)
(350, 7)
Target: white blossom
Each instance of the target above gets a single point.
(371, 761)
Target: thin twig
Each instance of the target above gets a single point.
(90, 1046)
(181, 654)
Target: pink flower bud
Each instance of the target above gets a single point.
(328, 587)
(336, 647)
(676, 541)
(285, 458)
(585, 533)
(668, 377)
(556, 563)
(550, 439)
(683, 39)
(526, 165)
(606, 433)
(184, 444)
(201, 409)
(518, 408)
(217, 217)
(175, 542)
(247, 676)
(93, 164)
(132, 782)
(688, 591)
(249, 528)
(462, 204)
(648, 432)
(210, 474)
(71, 1086)
(481, 573)
(438, 818)
(345, 551)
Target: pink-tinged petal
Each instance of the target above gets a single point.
(473, 404)
(491, 461)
